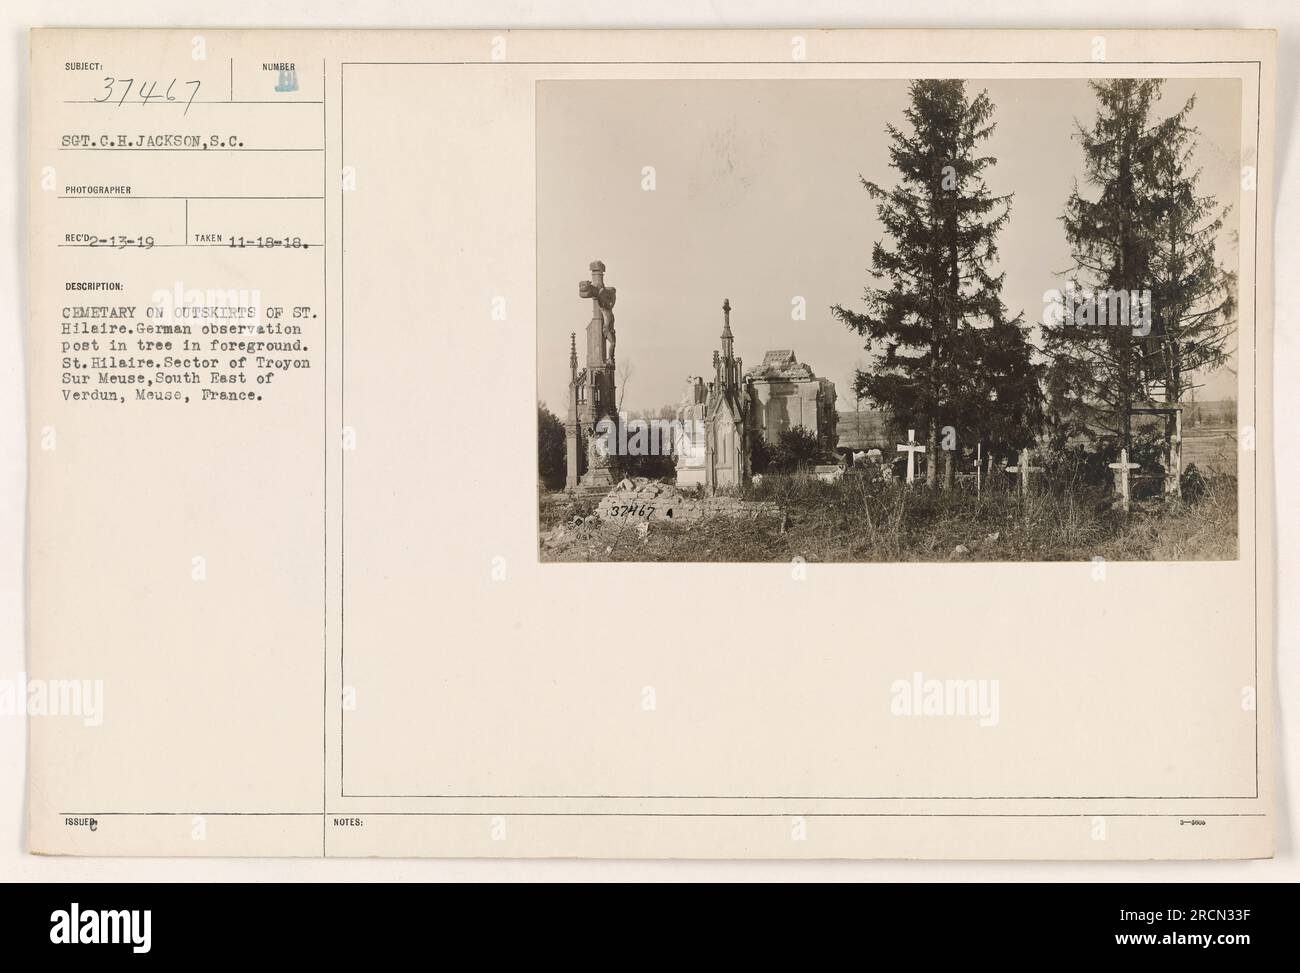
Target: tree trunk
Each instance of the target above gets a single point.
(931, 455)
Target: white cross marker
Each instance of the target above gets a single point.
(911, 449)
(1122, 468)
(1024, 468)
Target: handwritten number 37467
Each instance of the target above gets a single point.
(147, 91)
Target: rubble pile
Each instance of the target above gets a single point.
(642, 500)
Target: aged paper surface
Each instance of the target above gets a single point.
(296, 297)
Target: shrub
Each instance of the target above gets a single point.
(798, 449)
(657, 466)
(550, 448)
(1086, 462)
(1193, 484)
(760, 455)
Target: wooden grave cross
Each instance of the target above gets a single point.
(1121, 468)
(1024, 468)
(911, 449)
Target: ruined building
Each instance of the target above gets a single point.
(785, 394)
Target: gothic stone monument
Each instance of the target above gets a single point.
(591, 390)
(715, 452)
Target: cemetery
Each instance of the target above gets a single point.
(987, 435)
(1033, 514)
(741, 483)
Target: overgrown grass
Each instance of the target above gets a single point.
(858, 519)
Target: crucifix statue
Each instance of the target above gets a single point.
(911, 448)
(1122, 477)
(594, 402)
(1024, 468)
(602, 307)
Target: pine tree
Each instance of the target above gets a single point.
(1101, 361)
(1195, 298)
(1004, 407)
(938, 325)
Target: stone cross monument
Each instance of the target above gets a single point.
(600, 330)
(591, 389)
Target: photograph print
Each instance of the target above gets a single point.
(883, 321)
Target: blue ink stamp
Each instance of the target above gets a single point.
(288, 81)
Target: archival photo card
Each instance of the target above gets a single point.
(651, 444)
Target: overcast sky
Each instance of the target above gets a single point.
(757, 199)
